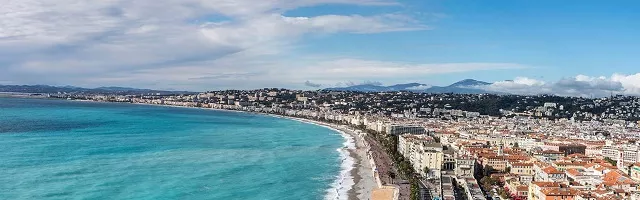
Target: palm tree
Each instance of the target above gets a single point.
(427, 170)
(391, 176)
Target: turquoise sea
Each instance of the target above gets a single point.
(55, 149)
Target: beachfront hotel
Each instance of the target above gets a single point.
(397, 129)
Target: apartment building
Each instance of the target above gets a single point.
(626, 155)
(496, 162)
(551, 191)
(522, 169)
(550, 174)
(397, 129)
(465, 166)
(422, 152)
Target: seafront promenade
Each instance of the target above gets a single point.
(380, 190)
(370, 183)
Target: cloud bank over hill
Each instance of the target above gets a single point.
(580, 85)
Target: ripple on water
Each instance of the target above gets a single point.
(80, 150)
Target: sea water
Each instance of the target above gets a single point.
(55, 149)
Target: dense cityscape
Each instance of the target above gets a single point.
(463, 146)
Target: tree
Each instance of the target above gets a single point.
(487, 183)
(487, 170)
(609, 160)
(503, 194)
(515, 145)
(391, 176)
(415, 191)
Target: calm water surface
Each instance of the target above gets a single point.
(52, 149)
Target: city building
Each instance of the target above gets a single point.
(397, 129)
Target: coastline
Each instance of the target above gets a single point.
(356, 177)
(356, 180)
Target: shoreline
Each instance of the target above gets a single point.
(356, 169)
(354, 172)
(355, 179)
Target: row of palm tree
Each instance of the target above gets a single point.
(390, 144)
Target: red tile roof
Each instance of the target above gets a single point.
(552, 170)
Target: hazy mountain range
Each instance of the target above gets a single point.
(73, 89)
(466, 86)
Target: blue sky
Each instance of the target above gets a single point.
(555, 38)
(244, 44)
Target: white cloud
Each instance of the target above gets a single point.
(275, 27)
(420, 87)
(521, 81)
(528, 81)
(630, 83)
(580, 85)
(353, 23)
(519, 85)
(196, 44)
(82, 41)
(260, 72)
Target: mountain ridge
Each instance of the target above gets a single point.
(469, 83)
(466, 86)
(74, 89)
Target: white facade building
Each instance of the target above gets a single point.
(396, 129)
(422, 151)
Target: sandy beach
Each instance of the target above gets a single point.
(360, 171)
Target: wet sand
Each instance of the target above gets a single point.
(362, 172)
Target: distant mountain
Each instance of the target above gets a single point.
(467, 86)
(378, 88)
(73, 89)
(118, 88)
(127, 89)
(457, 90)
(469, 83)
(409, 87)
(361, 88)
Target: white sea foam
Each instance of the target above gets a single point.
(344, 181)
